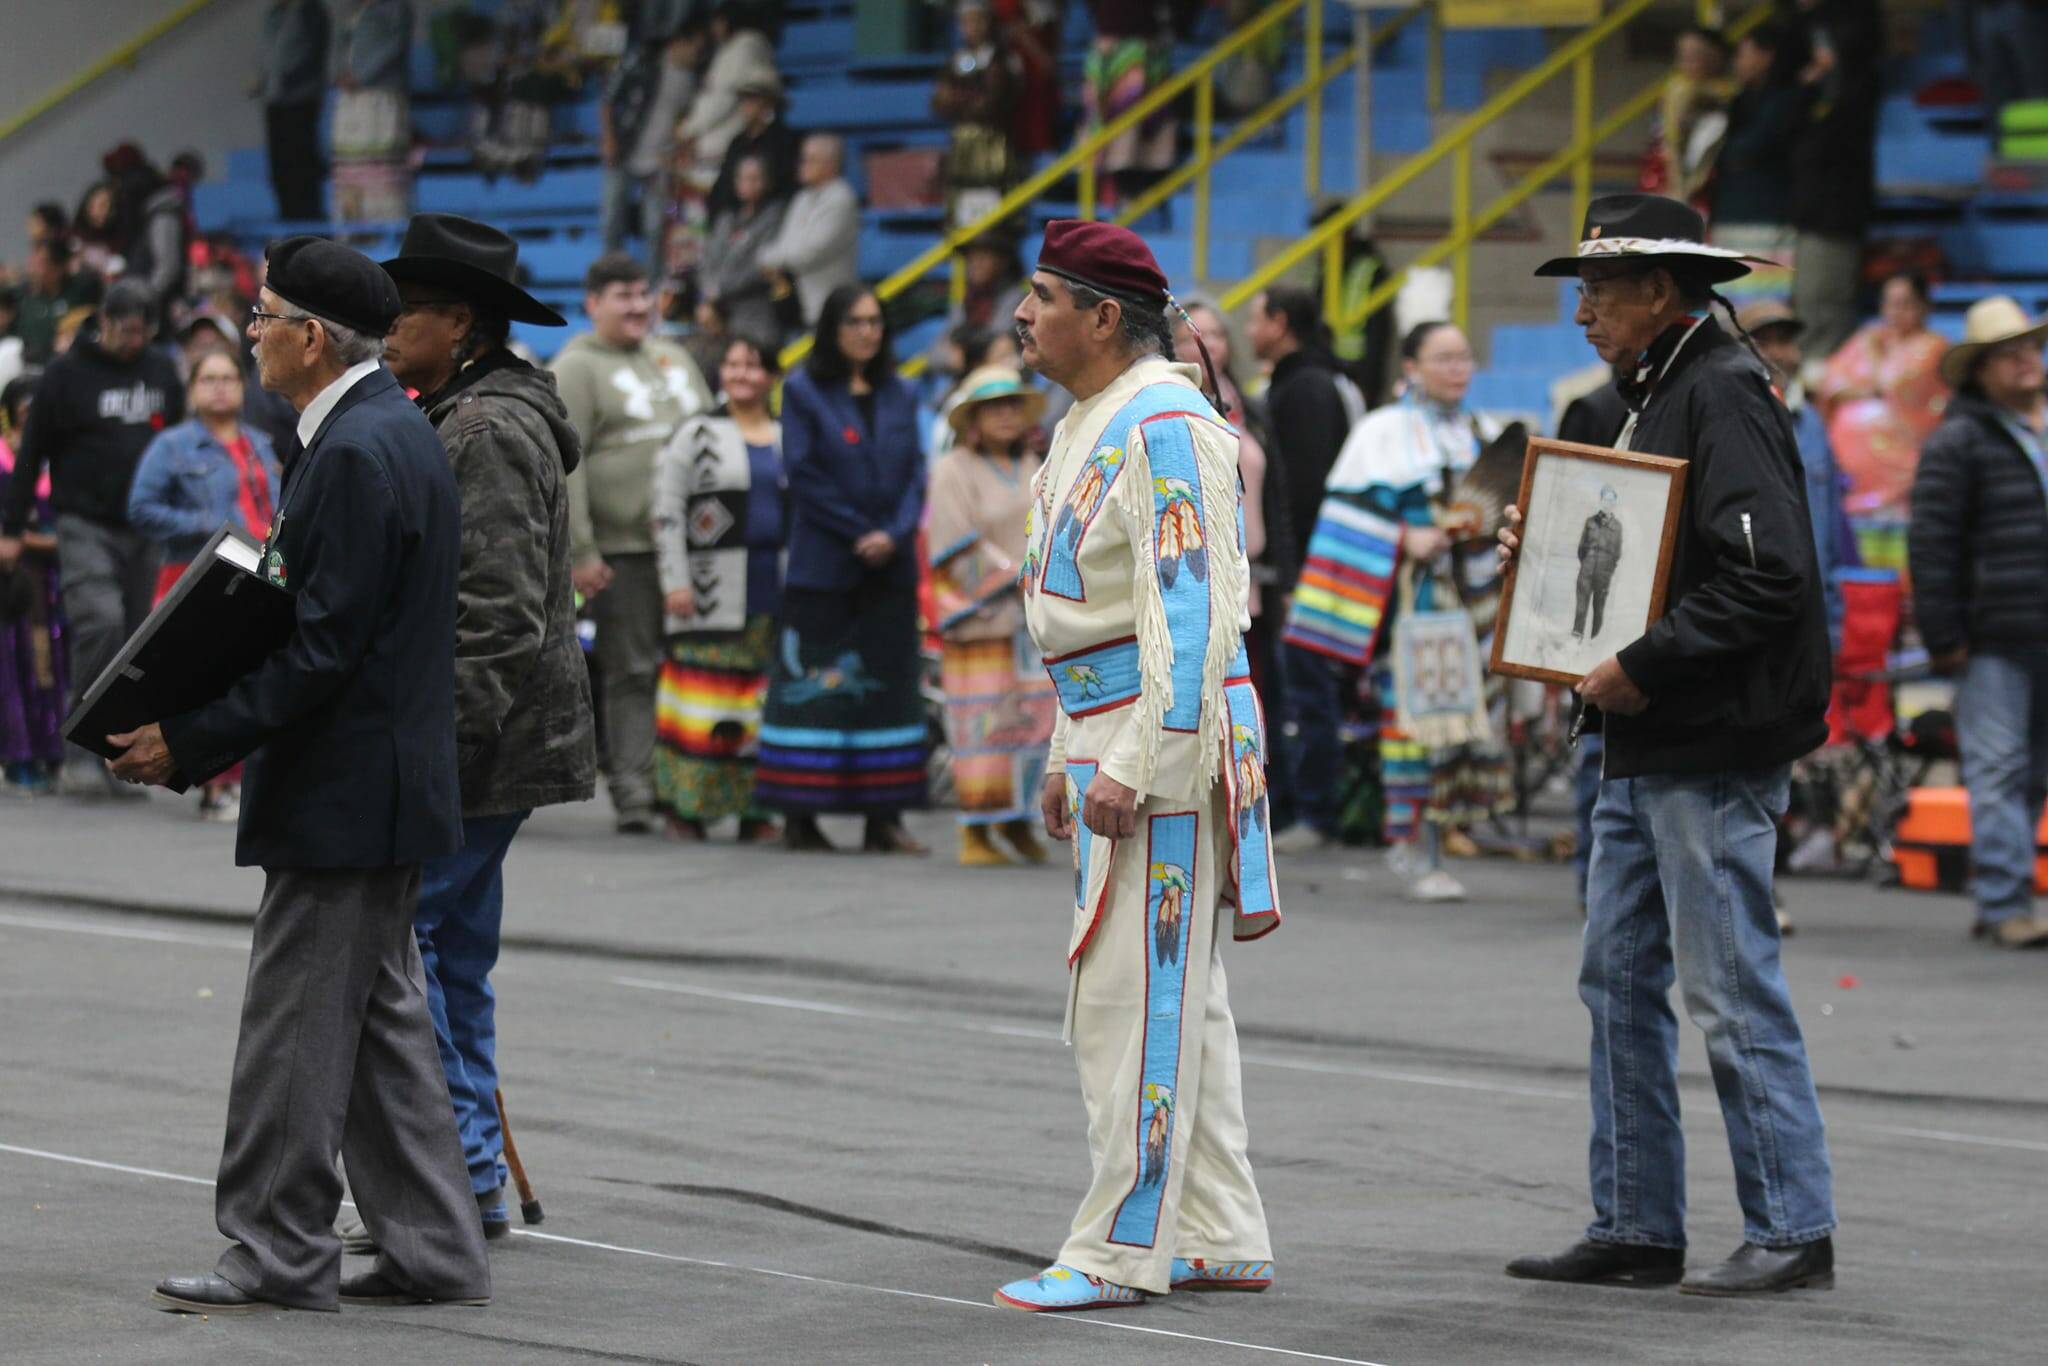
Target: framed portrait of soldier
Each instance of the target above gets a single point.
(1598, 527)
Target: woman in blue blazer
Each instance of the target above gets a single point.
(206, 470)
(843, 729)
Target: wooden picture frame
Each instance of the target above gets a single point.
(1585, 508)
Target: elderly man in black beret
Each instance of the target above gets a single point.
(349, 735)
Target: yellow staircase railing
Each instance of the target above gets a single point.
(1576, 158)
(124, 55)
(1079, 162)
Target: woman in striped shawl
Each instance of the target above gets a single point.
(1384, 516)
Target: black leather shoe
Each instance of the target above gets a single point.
(373, 1287)
(1757, 1270)
(1591, 1263)
(212, 1293)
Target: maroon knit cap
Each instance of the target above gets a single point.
(1104, 257)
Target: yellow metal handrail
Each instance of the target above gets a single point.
(1576, 157)
(1328, 236)
(1081, 159)
(123, 55)
(1208, 153)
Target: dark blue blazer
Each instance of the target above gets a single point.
(349, 728)
(845, 481)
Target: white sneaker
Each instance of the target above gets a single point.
(1302, 839)
(1437, 885)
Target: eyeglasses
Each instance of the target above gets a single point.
(259, 315)
(874, 322)
(1593, 291)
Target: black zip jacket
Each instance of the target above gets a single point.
(1978, 541)
(1737, 670)
(1309, 424)
(91, 419)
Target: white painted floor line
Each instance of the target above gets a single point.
(31, 922)
(798, 1276)
(2025, 1145)
(40, 922)
(98, 1165)
(1090, 1322)
(1495, 1088)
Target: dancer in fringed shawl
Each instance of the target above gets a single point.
(1386, 531)
(999, 700)
(1136, 588)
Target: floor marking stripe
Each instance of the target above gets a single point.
(935, 1299)
(36, 922)
(2025, 1145)
(1266, 1060)
(104, 1166)
(30, 922)
(827, 1281)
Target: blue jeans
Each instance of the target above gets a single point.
(1683, 861)
(462, 900)
(1586, 791)
(1314, 702)
(2002, 722)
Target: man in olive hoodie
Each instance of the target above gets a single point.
(626, 392)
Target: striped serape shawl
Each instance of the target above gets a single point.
(1389, 476)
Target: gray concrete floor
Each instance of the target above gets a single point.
(801, 1109)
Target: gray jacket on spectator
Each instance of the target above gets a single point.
(376, 45)
(295, 52)
(819, 243)
(524, 732)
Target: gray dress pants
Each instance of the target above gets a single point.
(628, 615)
(337, 1054)
(107, 576)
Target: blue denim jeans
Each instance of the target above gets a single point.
(2002, 722)
(1585, 791)
(1682, 870)
(462, 900)
(1314, 702)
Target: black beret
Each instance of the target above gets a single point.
(334, 282)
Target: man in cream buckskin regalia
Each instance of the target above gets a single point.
(1135, 589)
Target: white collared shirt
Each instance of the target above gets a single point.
(324, 401)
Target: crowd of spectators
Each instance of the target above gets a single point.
(747, 232)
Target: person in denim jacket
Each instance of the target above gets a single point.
(206, 470)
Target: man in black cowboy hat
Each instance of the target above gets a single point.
(349, 734)
(1703, 715)
(523, 728)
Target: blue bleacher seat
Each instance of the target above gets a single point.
(558, 191)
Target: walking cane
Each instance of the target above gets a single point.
(529, 1207)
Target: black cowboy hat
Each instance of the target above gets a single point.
(1654, 230)
(471, 261)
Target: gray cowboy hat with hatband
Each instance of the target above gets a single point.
(471, 263)
(1653, 231)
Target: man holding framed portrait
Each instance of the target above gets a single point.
(1703, 713)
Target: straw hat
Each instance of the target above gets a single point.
(1990, 322)
(993, 382)
(1769, 313)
